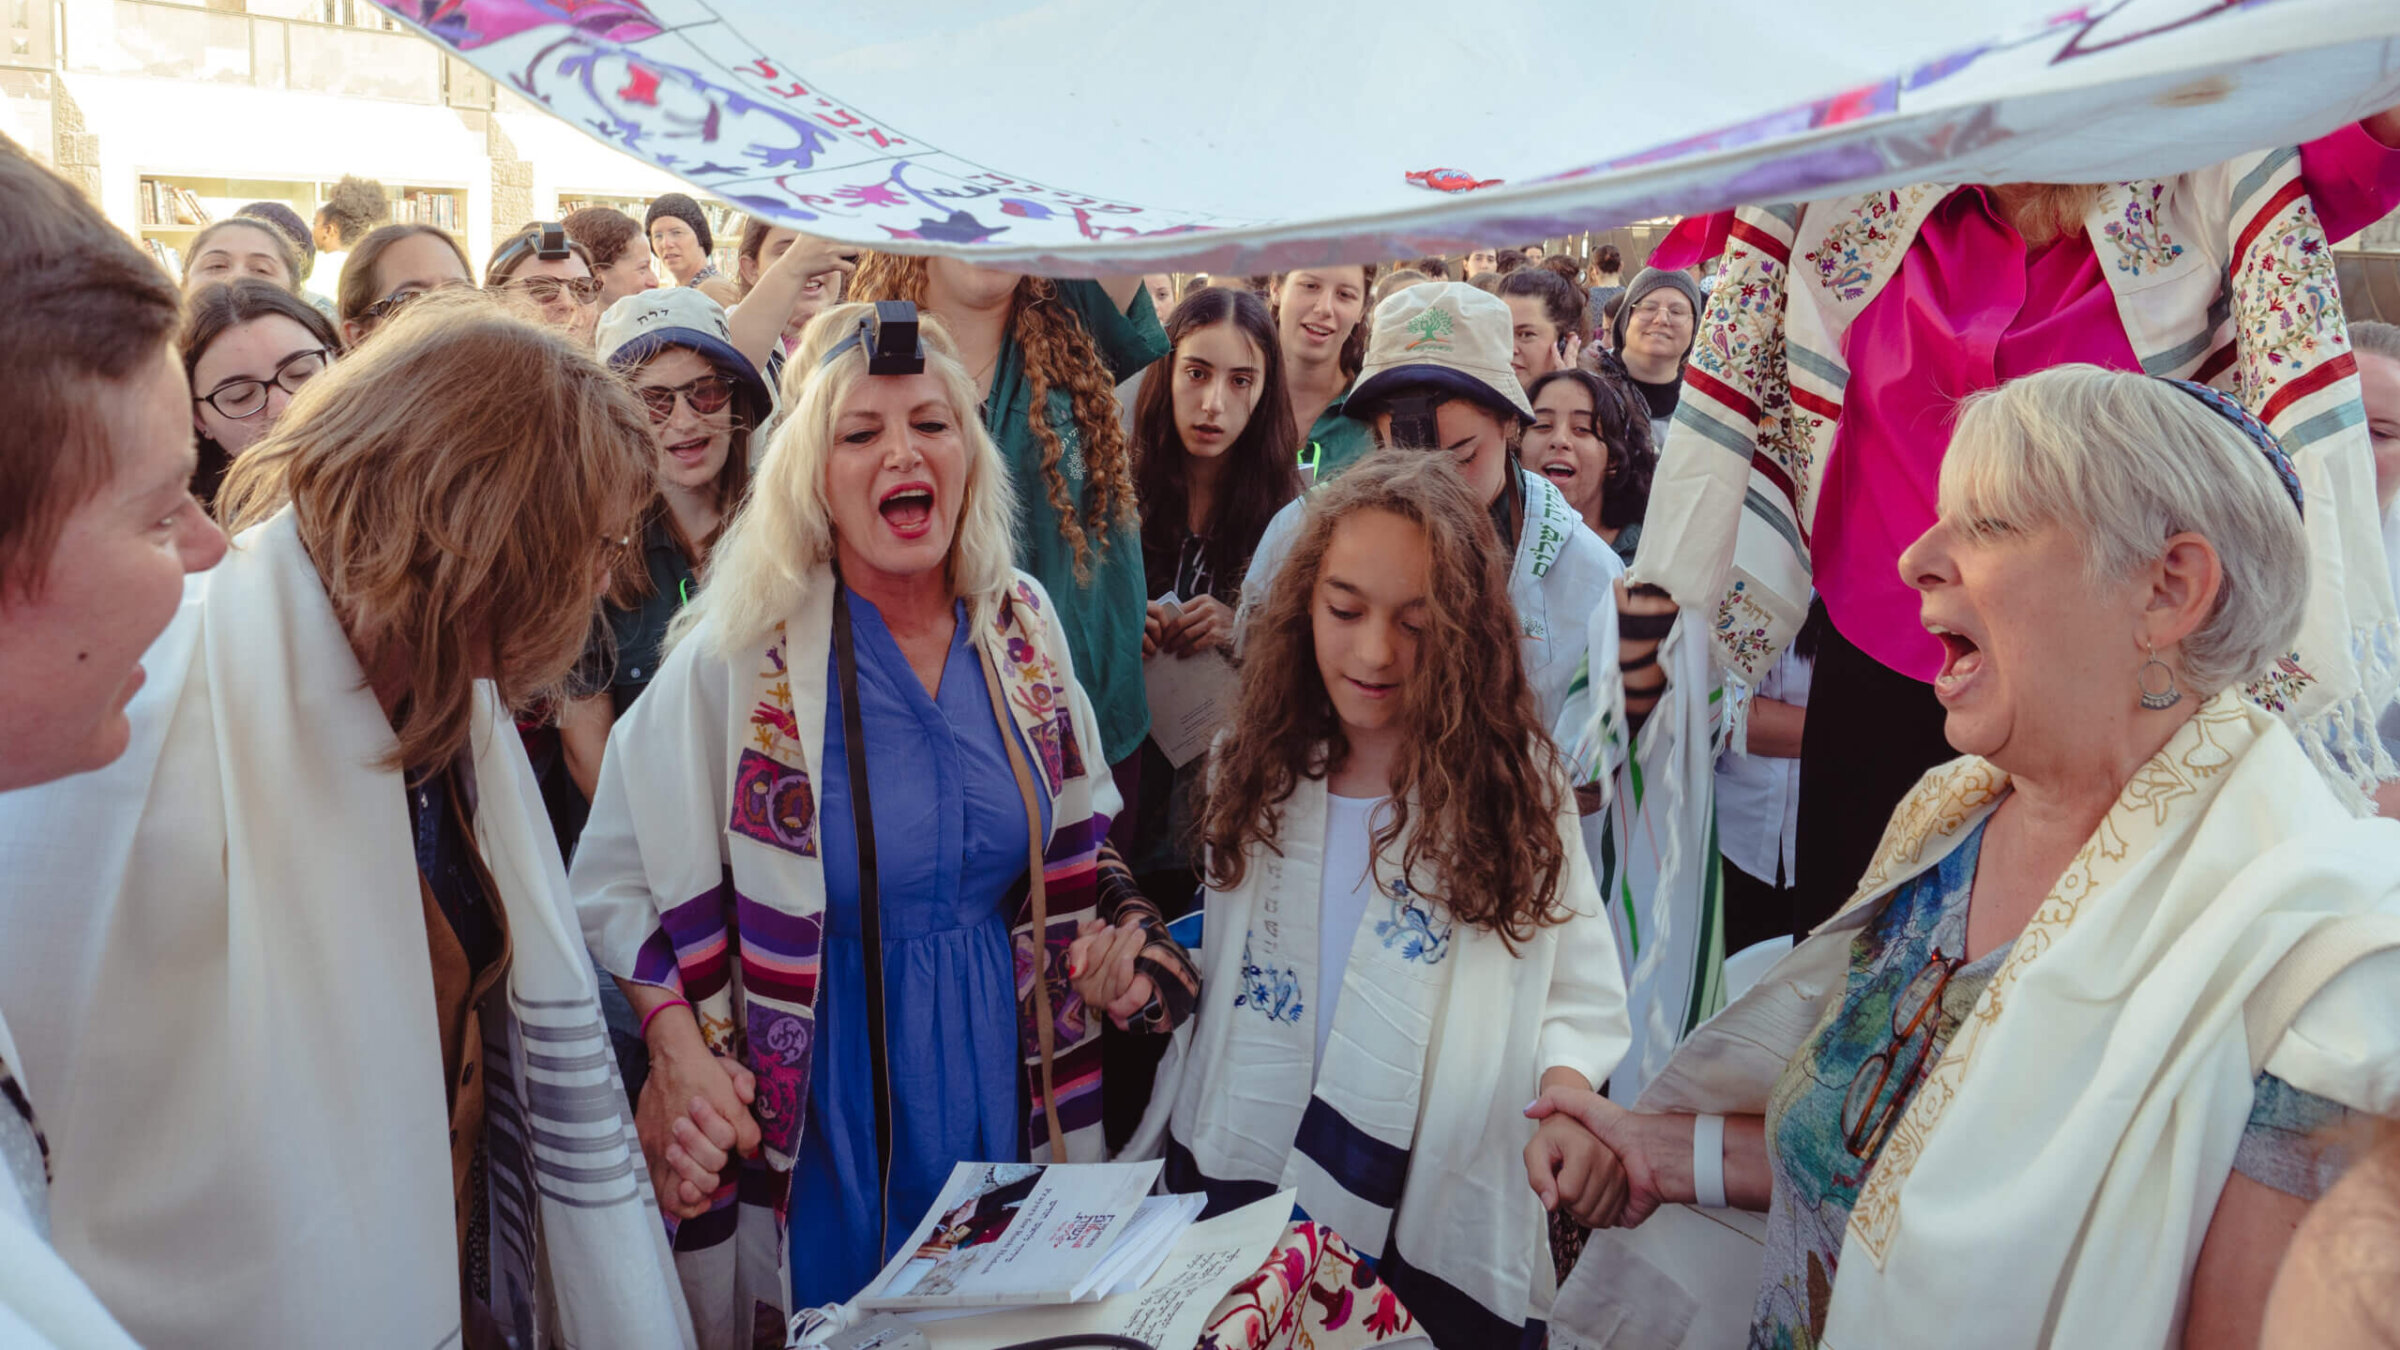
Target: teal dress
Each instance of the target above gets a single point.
(1102, 616)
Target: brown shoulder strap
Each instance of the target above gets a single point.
(1044, 1029)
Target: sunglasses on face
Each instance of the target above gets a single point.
(247, 398)
(543, 290)
(708, 395)
(393, 303)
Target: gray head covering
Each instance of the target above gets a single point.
(1651, 279)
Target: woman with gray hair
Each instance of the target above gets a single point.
(2050, 1076)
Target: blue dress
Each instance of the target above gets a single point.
(949, 843)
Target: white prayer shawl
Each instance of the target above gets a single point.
(2221, 275)
(1559, 575)
(700, 871)
(2051, 1181)
(1413, 1141)
(1653, 842)
(226, 1007)
(43, 1305)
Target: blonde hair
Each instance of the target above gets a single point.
(2122, 462)
(760, 569)
(460, 483)
(1057, 354)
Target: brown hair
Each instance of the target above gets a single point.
(218, 309)
(284, 251)
(1058, 354)
(357, 288)
(355, 206)
(1474, 762)
(604, 230)
(87, 309)
(459, 483)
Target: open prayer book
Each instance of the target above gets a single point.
(1016, 1235)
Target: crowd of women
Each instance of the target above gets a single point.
(665, 768)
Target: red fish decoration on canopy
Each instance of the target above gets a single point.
(1450, 180)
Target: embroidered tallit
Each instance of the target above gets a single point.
(218, 973)
(2222, 276)
(1653, 842)
(2050, 1182)
(1558, 575)
(699, 872)
(1411, 1144)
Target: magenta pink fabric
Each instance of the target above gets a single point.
(1970, 307)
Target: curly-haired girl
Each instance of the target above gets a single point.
(1402, 932)
(1047, 357)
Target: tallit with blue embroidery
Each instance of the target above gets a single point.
(1410, 1142)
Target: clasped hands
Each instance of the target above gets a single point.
(1594, 1160)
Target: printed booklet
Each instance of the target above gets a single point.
(1015, 1235)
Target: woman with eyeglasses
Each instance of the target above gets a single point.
(549, 275)
(247, 348)
(704, 399)
(392, 266)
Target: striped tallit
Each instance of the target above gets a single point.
(700, 872)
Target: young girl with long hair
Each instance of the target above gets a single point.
(1591, 438)
(1402, 932)
(1046, 358)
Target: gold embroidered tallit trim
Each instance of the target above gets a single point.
(2161, 795)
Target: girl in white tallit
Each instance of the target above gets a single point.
(296, 979)
(2050, 1077)
(1402, 937)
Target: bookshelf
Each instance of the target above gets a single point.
(173, 207)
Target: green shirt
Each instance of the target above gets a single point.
(1335, 442)
(1103, 617)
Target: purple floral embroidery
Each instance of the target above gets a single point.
(1054, 740)
(780, 1042)
(772, 803)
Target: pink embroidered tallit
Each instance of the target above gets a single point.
(2222, 275)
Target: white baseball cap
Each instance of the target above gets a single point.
(1447, 335)
(646, 323)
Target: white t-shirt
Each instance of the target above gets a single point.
(1342, 899)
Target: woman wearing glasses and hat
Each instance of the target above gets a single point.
(1438, 378)
(704, 399)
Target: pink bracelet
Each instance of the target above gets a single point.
(654, 1012)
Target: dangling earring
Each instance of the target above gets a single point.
(2162, 699)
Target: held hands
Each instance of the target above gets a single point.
(693, 1117)
(1100, 963)
(1620, 1180)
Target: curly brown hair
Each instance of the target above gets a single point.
(1474, 762)
(1058, 354)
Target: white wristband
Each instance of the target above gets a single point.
(1708, 1161)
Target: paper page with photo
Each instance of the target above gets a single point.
(1169, 1309)
(1011, 1234)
